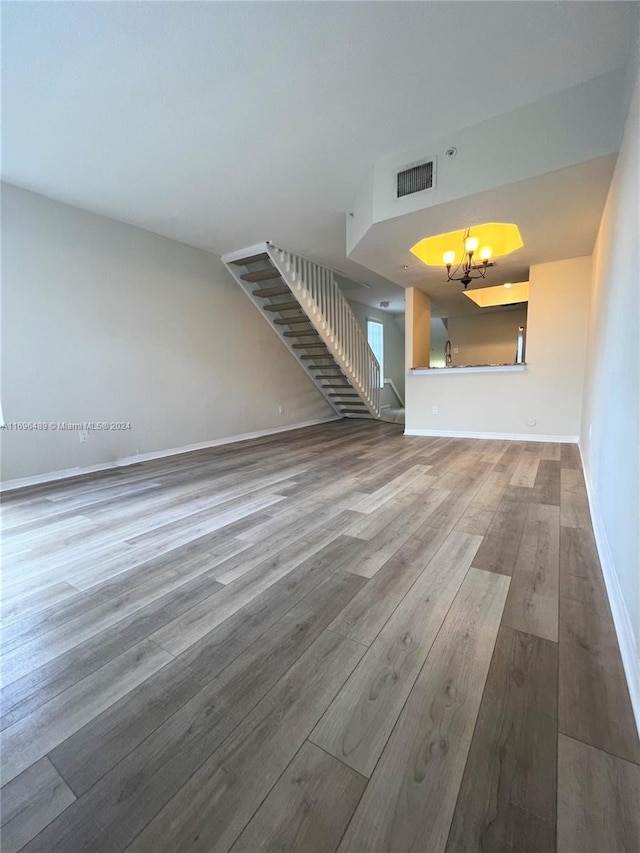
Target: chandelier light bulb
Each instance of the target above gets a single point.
(475, 256)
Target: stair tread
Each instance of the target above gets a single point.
(291, 321)
(309, 346)
(341, 396)
(266, 292)
(304, 333)
(251, 259)
(282, 306)
(333, 386)
(329, 356)
(261, 275)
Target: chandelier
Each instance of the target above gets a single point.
(467, 253)
(470, 269)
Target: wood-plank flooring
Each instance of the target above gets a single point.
(337, 638)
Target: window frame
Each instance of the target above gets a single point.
(376, 322)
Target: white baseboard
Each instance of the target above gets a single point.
(621, 619)
(501, 436)
(51, 477)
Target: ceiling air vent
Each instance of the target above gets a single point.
(415, 178)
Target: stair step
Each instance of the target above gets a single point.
(333, 386)
(310, 346)
(283, 306)
(266, 292)
(354, 411)
(352, 403)
(341, 396)
(318, 356)
(291, 321)
(324, 367)
(301, 334)
(261, 275)
(252, 259)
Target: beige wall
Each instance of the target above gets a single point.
(490, 338)
(610, 435)
(103, 321)
(549, 390)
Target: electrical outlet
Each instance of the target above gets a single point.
(434, 410)
(281, 410)
(84, 435)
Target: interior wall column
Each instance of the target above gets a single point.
(418, 328)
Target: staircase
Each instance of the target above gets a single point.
(305, 307)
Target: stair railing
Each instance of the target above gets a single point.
(317, 290)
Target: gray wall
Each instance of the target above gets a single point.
(393, 346)
(104, 321)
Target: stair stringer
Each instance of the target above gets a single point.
(291, 269)
(247, 287)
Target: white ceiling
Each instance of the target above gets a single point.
(558, 215)
(225, 124)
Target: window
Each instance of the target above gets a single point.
(375, 336)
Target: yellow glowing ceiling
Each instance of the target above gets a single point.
(501, 238)
(502, 294)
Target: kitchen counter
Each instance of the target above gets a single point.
(468, 368)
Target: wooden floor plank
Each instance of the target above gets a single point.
(187, 629)
(23, 608)
(475, 519)
(410, 799)
(292, 545)
(187, 731)
(526, 470)
(415, 502)
(570, 456)
(532, 603)
(40, 685)
(384, 544)
(30, 802)
(546, 488)
(31, 738)
(593, 695)
(574, 506)
(308, 809)
(364, 617)
(550, 450)
(358, 722)
(221, 797)
(415, 476)
(217, 649)
(598, 796)
(499, 549)
(45, 647)
(513, 752)
(296, 582)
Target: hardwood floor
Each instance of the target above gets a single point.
(337, 638)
